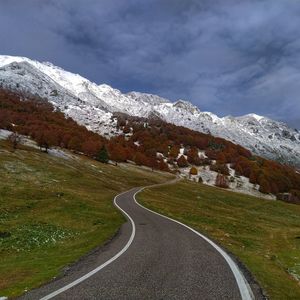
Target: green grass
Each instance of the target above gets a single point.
(54, 210)
(263, 234)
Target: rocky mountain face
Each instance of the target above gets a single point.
(93, 105)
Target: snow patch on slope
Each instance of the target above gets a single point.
(93, 106)
(239, 184)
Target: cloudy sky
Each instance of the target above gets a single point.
(226, 56)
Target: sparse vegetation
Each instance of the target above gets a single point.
(14, 139)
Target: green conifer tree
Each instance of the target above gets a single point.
(103, 155)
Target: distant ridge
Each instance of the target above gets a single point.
(93, 105)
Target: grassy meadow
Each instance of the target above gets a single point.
(263, 234)
(54, 210)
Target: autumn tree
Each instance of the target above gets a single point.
(75, 143)
(254, 175)
(162, 165)
(264, 186)
(211, 154)
(140, 159)
(220, 168)
(182, 162)
(152, 163)
(91, 147)
(238, 170)
(221, 158)
(193, 171)
(243, 152)
(174, 151)
(221, 181)
(42, 141)
(193, 156)
(117, 152)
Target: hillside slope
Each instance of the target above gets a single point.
(92, 105)
(153, 143)
(54, 210)
(264, 235)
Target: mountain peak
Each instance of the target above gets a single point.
(254, 116)
(186, 105)
(93, 105)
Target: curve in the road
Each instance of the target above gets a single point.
(91, 273)
(157, 258)
(244, 287)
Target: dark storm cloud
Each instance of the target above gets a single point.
(229, 57)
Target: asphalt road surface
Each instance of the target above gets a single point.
(152, 257)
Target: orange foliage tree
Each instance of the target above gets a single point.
(182, 162)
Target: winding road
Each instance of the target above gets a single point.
(152, 257)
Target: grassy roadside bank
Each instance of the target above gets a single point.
(53, 210)
(263, 234)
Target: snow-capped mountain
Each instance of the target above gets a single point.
(93, 105)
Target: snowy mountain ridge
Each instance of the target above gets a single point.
(93, 105)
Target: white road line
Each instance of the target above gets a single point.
(243, 285)
(94, 271)
(244, 288)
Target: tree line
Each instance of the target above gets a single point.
(149, 142)
(155, 135)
